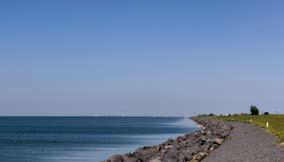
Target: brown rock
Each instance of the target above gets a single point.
(115, 158)
(219, 140)
(155, 160)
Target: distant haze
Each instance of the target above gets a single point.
(70, 57)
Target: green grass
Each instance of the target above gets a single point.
(276, 122)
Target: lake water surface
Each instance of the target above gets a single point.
(82, 139)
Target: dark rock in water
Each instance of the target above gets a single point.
(188, 148)
(170, 140)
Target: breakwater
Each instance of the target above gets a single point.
(191, 147)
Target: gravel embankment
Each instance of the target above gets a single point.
(248, 143)
(188, 148)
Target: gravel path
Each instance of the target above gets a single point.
(248, 143)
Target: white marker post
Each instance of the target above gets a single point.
(267, 124)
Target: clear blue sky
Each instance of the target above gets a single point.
(71, 57)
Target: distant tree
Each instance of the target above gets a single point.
(211, 114)
(254, 110)
(266, 113)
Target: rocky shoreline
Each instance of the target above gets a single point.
(191, 147)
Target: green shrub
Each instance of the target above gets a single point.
(266, 113)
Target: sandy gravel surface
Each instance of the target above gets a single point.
(248, 143)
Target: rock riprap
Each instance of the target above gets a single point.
(191, 147)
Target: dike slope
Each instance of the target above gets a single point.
(191, 147)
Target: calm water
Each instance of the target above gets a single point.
(82, 139)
